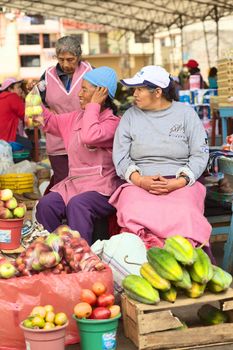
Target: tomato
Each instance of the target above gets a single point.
(82, 310)
(100, 313)
(115, 310)
(105, 300)
(98, 288)
(88, 296)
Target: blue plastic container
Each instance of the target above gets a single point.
(16, 146)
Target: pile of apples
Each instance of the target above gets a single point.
(9, 207)
(33, 108)
(61, 252)
(96, 304)
(44, 317)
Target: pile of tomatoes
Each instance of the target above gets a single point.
(96, 304)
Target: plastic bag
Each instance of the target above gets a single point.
(5, 156)
(60, 253)
(32, 107)
(18, 296)
(22, 167)
(114, 251)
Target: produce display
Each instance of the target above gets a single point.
(44, 317)
(61, 252)
(33, 108)
(176, 268)
(10, 208)
(96, 304)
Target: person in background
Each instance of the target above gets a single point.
(82, 197)
(12, 112)
(193, 68)
(160, 149)
(212, 78)
(59, 88)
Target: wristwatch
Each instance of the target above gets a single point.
(186, 177)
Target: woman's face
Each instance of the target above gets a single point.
(68, 62)
(86, 93)
(16, 88)
(146, 99)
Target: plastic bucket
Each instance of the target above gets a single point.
(98, 334)
(10, 233)
(41, 339)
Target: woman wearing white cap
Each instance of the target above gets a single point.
(83, 196)
(160, 149)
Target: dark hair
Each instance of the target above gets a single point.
(213, 72)
(169, 93)
(110, 104)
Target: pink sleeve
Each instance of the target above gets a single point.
(97, 131)
(58, 124)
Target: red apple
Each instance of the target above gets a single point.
(105, 300)
(11, 203)
(5, 213)
(100, 313)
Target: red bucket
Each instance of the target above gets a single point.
(10, 233)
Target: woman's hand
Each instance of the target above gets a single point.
(100, 95)
(38, 120)
(149, 183)
(163, 185)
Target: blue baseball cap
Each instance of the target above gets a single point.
(103, 77)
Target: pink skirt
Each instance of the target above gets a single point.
(155, 217)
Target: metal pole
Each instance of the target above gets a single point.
(216, 17)
(206, 44)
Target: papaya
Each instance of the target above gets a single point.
(186, 282)
(181, 249)
(139, 289)
(154, 278)
(220, 281)
(211, 315)
(165, 264)
(169, 295)
(201, 271)
(196, 291)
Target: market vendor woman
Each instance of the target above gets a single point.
(160, 149)
(82, 197)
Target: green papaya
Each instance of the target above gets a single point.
(211, 315)
(139, 289)
(196, 291)
(164, 264)
(169, 295)
(181, 249)
(186, 282)
(154, 278)
(220, 281)
(201, 271)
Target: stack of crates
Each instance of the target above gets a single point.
(225, 79)
(18, 183)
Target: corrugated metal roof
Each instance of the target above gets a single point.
(143, 16)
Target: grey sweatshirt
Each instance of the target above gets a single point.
(165, 142)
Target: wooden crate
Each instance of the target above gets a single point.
(154, 327)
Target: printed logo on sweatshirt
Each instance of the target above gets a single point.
(177, 131)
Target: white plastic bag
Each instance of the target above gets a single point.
(114, 252)
(6, 158)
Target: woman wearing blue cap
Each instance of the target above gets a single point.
(82, 197)
(160, 149)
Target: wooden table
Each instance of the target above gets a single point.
(224, 114)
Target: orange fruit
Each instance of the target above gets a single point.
(88, 296)
(49, 317)
(82, 310)
(49, 325)
(98, 288)
(115, 310)
(49, 308)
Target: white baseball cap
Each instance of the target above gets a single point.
(149, 76)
